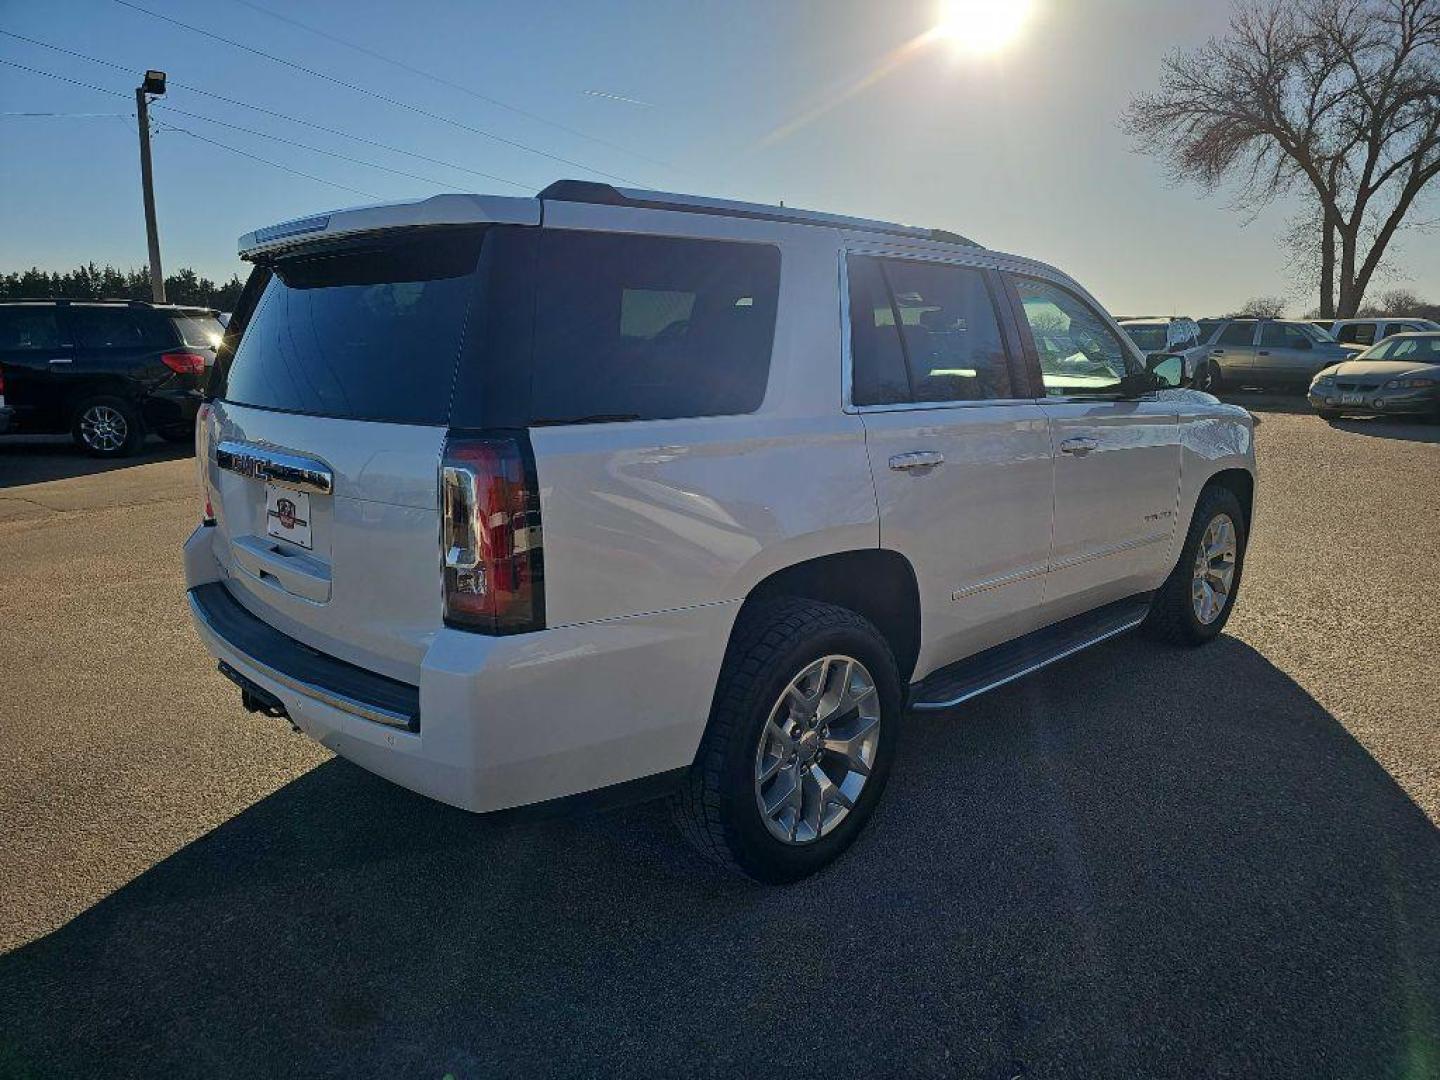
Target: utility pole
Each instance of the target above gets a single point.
(154, 84)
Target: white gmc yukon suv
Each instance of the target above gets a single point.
(513, 499)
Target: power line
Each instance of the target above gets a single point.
(278, 115)
(442, 81)
(202, 138)
(302, 146)
(396, 102)
(72, 115)
(267, 161)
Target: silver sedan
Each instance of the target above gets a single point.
(1399, 375)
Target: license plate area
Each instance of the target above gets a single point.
(1352, 399)
(287, 515)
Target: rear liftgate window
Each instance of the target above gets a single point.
(645, 327)
(362, 333)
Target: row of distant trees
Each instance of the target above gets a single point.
(1403, 302)
(91, 282)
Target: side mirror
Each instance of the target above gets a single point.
(1167, 369)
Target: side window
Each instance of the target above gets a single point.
(648, 327)
(1079, 354)
(24, 328)
(1395, 328)
(1275, 335)
(876, 356)
(1237, 333)
(1357, 334)
(949, 330)
(114, 328)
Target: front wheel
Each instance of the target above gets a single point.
(1195, 602)
(799, 744)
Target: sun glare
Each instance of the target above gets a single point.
(983, 27)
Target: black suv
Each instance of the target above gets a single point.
(106, 371)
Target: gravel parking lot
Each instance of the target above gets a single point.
(1143, 861)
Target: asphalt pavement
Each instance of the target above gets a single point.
(1143, 861)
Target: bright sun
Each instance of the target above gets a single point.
(982, 27)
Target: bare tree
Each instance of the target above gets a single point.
(1337, 98)
(1262, 307)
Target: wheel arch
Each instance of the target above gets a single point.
(877, 583)
(1241, 483)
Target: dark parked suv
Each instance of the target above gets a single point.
(108, 372)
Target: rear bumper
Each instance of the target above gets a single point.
(502, 721)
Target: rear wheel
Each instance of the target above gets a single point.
(107, 426)
(799, 744)
(1195, 602)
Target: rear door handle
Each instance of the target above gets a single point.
(917, 459)
(1263, 352)
(61, 360)
(1078, 446)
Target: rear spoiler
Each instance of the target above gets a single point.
(436, 210)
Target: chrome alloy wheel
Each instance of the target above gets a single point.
(1214, 575)
(103, 428)
(817, 749)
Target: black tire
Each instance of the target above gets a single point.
(1172, 616)
(1207, 378)
(773, 642)
(106, 426)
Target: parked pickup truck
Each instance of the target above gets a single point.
(608, 493)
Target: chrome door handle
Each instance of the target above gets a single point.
(61, 360)
(918, 459)
(1079, 447)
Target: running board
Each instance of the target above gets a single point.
(1005, 663)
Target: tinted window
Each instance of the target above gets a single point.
(1079, 354)
(1237, 333)
(949, 331)
(1275, 335)
(879, 376)
(366, 333)
(1357, 334)
(1208, 327)
(647, 327)
(28, 328)
(116, 328)
(198, 330)
(1395, 328)
(1151, 337)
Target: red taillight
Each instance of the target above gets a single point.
(202, 460)
(184, 363)
(490, 535)
(2, 383)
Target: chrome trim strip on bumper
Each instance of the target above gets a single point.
(275, 466)
(364, 710)
(1061, 655)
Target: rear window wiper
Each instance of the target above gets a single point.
(593, 418)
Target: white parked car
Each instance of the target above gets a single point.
(1366, 332)
(616, 492)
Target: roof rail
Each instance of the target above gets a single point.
(587, 191)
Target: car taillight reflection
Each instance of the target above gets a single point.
(184, 363)
(490, 535)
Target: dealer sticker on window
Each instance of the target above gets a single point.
(287, 515)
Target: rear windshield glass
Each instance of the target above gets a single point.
(645, 327)
(364, 334)
(1151, 337)
(199, 330)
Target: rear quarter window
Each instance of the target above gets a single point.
(649, 327)
(198, 330)
(117, 328)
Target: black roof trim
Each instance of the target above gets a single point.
(589, 191)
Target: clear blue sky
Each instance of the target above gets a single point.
(1020, 151)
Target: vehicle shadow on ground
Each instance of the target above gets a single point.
(1143, 861)
(1264, 401)
(1390, 427)
(33, 459)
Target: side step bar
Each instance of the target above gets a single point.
(1005, 663)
